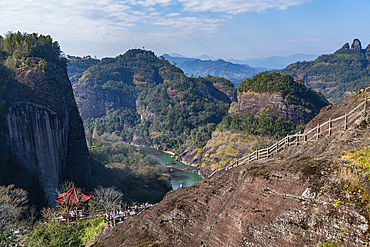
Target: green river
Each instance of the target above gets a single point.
(177, 176)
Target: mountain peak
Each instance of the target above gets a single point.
(345, 46)
(356, 45)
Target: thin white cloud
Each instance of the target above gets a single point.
(97, 20)
(173, 14)
(238, 6)
(148, 3)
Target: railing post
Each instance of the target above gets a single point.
(365, 105)
(329, 126)
(318, 131)
(345, 121)
(277, 146)
(287, 140)
(305, 137)
(257, 154)
(296, 139)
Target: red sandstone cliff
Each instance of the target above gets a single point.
(276, 103)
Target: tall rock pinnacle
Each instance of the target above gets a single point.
(356, 45)
(345, 46)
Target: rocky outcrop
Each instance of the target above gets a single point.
(96, 102)
(356, 45)
(276, 103)
(145, 114)
(138, 141)
(212, 91)
(299, 197)
(345, 46)
(42, 136)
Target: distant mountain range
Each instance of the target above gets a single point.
(274, 62)
(232, 69)
(218, 68)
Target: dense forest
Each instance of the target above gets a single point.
(264, 125)
(23, 46)
(336, 75)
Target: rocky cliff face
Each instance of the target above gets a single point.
(276, 103)
(96, 102)
(42, 136)
(300, 197)
(356, 45)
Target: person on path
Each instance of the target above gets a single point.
(112, 219)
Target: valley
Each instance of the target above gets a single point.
(180, 174)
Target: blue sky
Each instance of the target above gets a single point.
(220, 28)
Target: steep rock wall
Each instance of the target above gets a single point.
(42, 136)
(275, 102)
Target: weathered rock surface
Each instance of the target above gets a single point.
(297, 198)
(138, 141)
(345, 46)
(356, 45)
(275, 102)
(145, 114)
(190, 157)
(42, 136)
(96, 102)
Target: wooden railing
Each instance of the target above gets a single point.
(327, 128)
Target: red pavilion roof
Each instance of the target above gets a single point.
(72, 197)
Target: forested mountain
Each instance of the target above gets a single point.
(336, 75)
(149, 101)
(219, 68)
(295, 92)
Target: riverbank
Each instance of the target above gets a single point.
(168, 152)
(185, 169)
(180, 174)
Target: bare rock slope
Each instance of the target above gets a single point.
(302, 196)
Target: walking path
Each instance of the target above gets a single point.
(118, 216)
(357, 114)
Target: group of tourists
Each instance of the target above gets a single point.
(119, 213)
